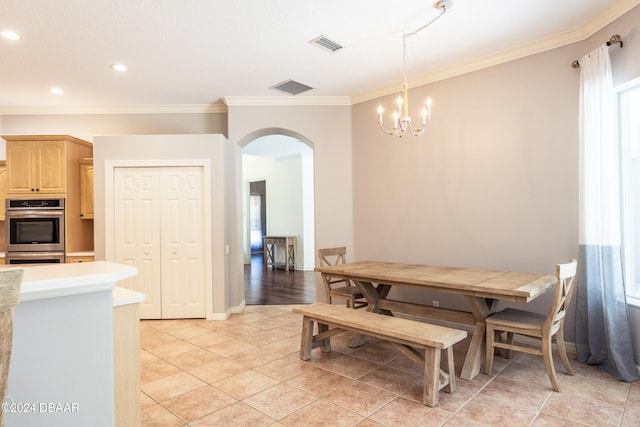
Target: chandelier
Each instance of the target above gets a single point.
(401, 119)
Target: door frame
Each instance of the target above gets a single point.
(109, 195)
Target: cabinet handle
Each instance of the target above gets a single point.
(146, 252)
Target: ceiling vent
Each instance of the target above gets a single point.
(326, 44)
(291, 87)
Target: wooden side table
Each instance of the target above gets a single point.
(288, 245)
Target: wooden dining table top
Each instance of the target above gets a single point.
(498, 284)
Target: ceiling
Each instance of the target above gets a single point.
(197, 52)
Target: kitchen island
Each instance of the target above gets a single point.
(62, 364)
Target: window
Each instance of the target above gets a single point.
(629, 112)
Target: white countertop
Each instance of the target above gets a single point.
(58, 280)
(122, 296)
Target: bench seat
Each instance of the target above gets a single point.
(421, 342)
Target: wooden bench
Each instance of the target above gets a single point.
(421, 342)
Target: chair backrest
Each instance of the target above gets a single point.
(332, 256)
(565, 274)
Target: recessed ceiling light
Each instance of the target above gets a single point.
(57, 91)
(10, 35)
(119, 67)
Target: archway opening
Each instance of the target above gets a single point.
(278, 202)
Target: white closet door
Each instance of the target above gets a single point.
(182, 235)
(137, 240)
(159, 228)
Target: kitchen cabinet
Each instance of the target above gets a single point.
(3, 188)
(48, 166)
(86, 188)
(36, 167)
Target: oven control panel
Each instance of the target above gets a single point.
(35, 203)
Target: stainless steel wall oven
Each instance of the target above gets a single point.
(34, 231)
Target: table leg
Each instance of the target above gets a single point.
(372, 294)
(481, 308)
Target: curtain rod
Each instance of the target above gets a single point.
(615, 39)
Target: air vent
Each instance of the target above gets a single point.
(326, 44)
(291, 87)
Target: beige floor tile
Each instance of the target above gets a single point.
(351, 367)
(255, 357)
(318, 381)
(391, 379)
(405, 412)
(189, 332)
(583, 410)
(377, 353)
(631, 418)
(183, 380)
(533, 396)
(245, 384)
(157, 370)
(285, 346)
(606, 391)
(284, 368)
(171, 386)
(238, 414)
(280, 400)
(146, 357)
(498, 411)
(158, 416)
(193, 359)
(361, 398)
(171, 349)
(217, 370)
(209, 339)
(228, 348)
(322, 413)
(198, 403)
(546, 420)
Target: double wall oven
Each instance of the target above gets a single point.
(34, 231)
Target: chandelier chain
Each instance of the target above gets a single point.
(405, 36)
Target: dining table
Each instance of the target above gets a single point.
(481, 289)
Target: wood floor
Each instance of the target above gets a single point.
(276, 286)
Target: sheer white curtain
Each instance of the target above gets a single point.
(603, 335)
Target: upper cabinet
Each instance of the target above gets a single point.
(86, 188)
(43, 164)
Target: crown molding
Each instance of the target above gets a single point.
(610, 14)
(256, 101)
(117, 109)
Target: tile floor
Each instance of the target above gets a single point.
(246, 372)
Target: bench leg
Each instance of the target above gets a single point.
(306, 338)
(431, 376)
(325, 344)
(450, 369)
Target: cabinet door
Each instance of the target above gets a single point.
(21, 163)
(36, 167)
(51, 167)
(86, 189)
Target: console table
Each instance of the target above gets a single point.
(288, 248)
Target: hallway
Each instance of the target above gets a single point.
(276, 286)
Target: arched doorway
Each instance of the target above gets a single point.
(277, 177)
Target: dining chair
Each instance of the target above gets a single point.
(10, 281)
(339, 288)
(539, 326)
